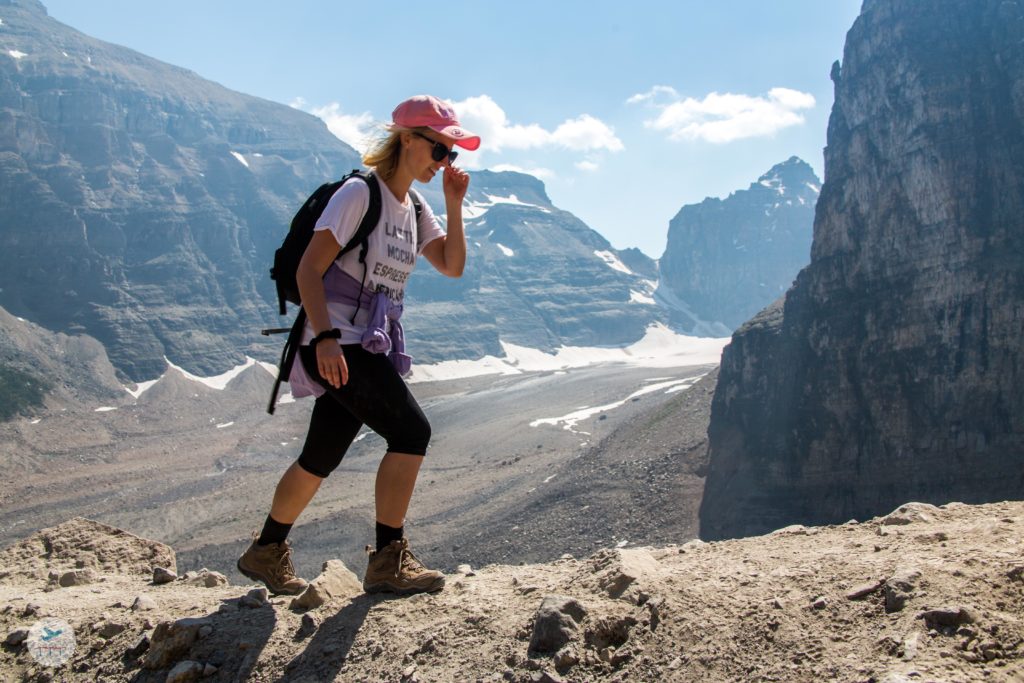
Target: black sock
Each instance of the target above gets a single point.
(386, 534)
(273, 532)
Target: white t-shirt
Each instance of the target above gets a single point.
(392, 252)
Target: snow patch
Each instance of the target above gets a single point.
(241, 159)
(613, 261)
(286, 398)
(637, 297)
(813, 187)
(571, 420)
(659, 348)
(475, 209)
(774, 183)
(141, 387)
(17, 54)
(218, 382)
(224, 424)
(104, 409)
(36, 421)
(505, 250)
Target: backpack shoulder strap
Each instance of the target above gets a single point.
(417, 203)
(370, 218)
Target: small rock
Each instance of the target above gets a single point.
(335, 582)
(205, 631)
(143, 603)
(863, 590)
(76, 577)
(819, 603)
(466, 570)
(205, 578)
(555, 623)
(911, 513)
(185, 671)
(566, 556)
(31, 609)
(899, 588)
(526, 590)
(17, 637)
(1016, 573)
(140, 646)
(162, 575)
(309, 626)
(947, 616)
(109, 629)
(778, 603)
(408, 671)
(546, 677)
(172, 640)
(791, 530)
(565, 658)
(209, 670)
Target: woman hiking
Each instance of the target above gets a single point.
(352, 354)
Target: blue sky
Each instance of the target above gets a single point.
(627, 111)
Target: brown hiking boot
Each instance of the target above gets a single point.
(394, 569)
(272, 564)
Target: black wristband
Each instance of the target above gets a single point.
(326, 334)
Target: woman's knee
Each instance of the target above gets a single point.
(318, 466)
(413, 438)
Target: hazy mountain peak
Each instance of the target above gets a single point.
(793, 174)
(31, 5)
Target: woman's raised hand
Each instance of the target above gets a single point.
(456, 182)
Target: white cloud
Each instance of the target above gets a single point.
(486, 118)
(587, 165)
(542, 173)
(724, 117)
(356, 130)
(654, 94)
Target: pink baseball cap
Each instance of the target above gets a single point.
(429, 112)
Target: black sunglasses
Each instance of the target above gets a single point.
(440, 151)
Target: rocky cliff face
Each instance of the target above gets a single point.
(139, 202)
(726, 259)
(891, 370)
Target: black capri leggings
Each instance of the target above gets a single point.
(375, 395)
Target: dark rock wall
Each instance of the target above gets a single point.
(892, 369)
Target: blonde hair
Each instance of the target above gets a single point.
(384, 154)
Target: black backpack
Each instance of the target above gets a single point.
(289, 254)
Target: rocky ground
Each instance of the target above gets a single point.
(923, 594)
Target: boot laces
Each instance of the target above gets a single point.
(408, 561)
(284, 567)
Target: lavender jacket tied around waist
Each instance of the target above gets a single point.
(384, 333)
